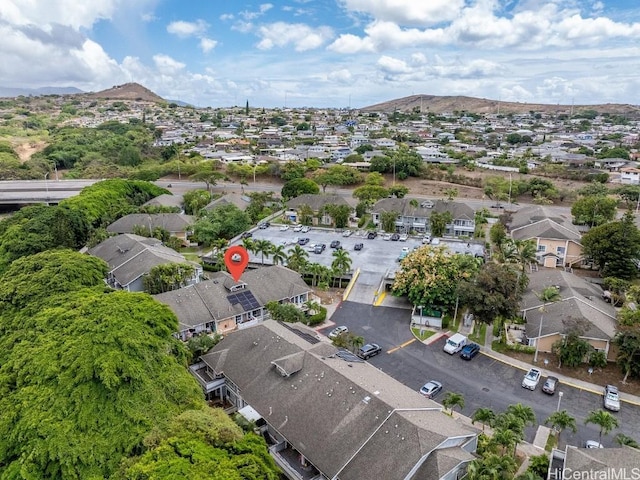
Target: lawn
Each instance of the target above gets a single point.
(424, 335)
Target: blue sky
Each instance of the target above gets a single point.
(328, 53)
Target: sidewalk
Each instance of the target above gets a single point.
(572, 382)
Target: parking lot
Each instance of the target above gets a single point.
(378, 257)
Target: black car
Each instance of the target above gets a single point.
(470, 351)
(319, 248)
(303, 241)
(335, 244)
(358, 246)
(395, 237)
(369, 350)
(246, 235)
(371, 235)
(264, 225)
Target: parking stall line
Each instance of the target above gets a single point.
(409, 342)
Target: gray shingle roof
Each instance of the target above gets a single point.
(545, 228)
(405, 208)
(581, 306)
(131, 256)
(594, 460)
(240, 201)
(342, 416)
(535, 213)
(316, 201)
(166, 200)
(207, 301)
(172, 222)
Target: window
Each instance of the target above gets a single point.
(542, 248)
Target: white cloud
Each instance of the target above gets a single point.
(301, 36)
(65, 12)
(252, 15)
(184, 29)
(340, 76)
(167, 65)
(393, 65)
(206, 44)
(407, 12)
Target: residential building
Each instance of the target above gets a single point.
(317, 204)
(592, 463)
(630, 176)
(581, 309)
(326, 414)
(166, 200)
(221, 304)
(414, 214)
(177, 224)
(130, 257)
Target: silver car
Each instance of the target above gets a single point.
(431, 389)
(611, 398)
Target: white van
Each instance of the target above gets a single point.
(455, 343)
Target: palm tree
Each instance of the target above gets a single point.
(525, 255)
(297, 258)
(341, 262)
(625, 440)
(263, 247)
(560, 421)
(305, 214)
(249, 244)
(523, 412)
(356, 342)
(604, 420)
(452, 400)
(506, 439)
(278, 254)
(315, 269)
(547, 296)
(483, 415)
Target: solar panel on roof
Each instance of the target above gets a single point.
(246, 300)
(304, 335)
(348, 356)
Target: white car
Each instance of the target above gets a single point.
(404, 237)
(426, 239)
(338, 331)
(304, 229)
(387, 236)
(592, 444)
(611, 398)
(284, 228)
(347, 233)
(297, 228)
(531, 379)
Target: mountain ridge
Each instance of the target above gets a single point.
(444, 103)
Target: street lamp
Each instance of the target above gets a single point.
(559, 400)
(421, 322)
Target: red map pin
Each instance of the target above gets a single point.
(236, 259)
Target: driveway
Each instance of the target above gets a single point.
(483, 381)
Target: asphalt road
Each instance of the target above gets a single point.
(483, 381)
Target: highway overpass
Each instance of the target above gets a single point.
(22, 192)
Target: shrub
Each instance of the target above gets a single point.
(317, 318)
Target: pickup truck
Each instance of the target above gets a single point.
(531, 379)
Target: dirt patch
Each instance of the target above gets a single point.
(610, 375)
(332, 296)
(26, 150)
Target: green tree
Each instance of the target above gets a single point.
(298, 258)
(430, 276)
(285, 312)
(523, 412)
(560, 421)
(224, 221)
(625, 440)
(292, 170)
(339, 214)
(202, 443)
(594, 210)
(370, 193)
(493, 293)
(438, 222)
(299, 186)
(604, 420)
(572, 350)
(278, 255)
(398, 191)
(337, 175)
(388, 220)
(168, 276)
(195, 200)
(208, 173)
(130, 156)
(452, 400)
(615, 247)
(374, 178)
(261, 205)
(483, 415)
(263, 247)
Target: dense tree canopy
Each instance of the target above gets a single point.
(615, 247)
(225, 221)
(84, 375)
(594, 210)
(298, 186)
(430, 276)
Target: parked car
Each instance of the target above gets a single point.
(592, 444)
(305, 228)
(303, 241)
(369, 350)
(431, 389)
(611, 398)
(334, 244)
(427, 204)
(455, 343)
(386, 236)
(550, 385)
(338, 331)
(470, 351)
(297, 228)
(264, 225)
(435, 241)
(358, 246)
(404, 237)
(426, 239)
(531, 379)
(395, 237)
(371, 235)
(319, 248)
(347, 233)
(402, 256)
(246, 235)
(284, 228)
